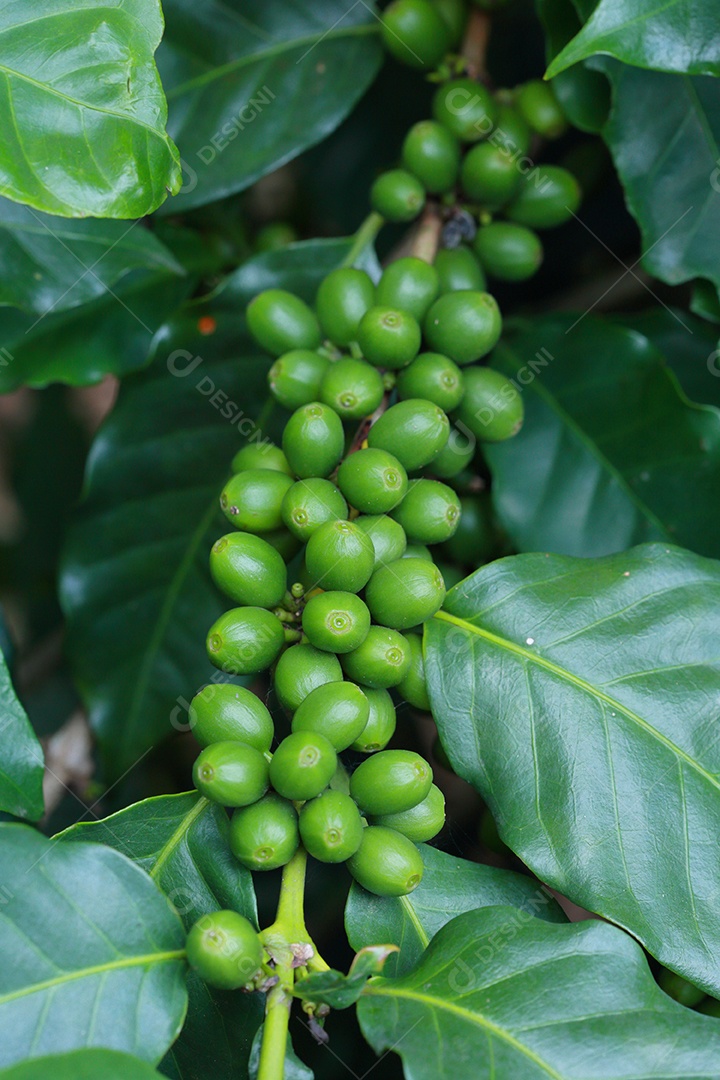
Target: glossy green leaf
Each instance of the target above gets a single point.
(93, 955)
(251, 85)
(87, 132)
(611, 452)
(21, 756)
(672, 35)
(580, 698)
(525, 1000)
(182, 842)
(82, 1065)
(135, 584)
(450, 887)
(340, 991)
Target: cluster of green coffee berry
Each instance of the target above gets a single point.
(473, 155)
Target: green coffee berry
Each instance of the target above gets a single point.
(265, 836)
(338, 710)
(432, 154)
(463, 325)
(405, 593)
(466, 108)
(456, 454)
(537, 104)
(313, 440)
(300, 670)
(248, 570)
(512, 131)
(408, 285)
(280, 321)
(680, 989)
(508, 252)
(303, 765)
(386, 863)
(336, 622)
(224, 949)
(381, 661)
(372, 480)
(343, 298)
(475, 541)
(489, 175)
(331, 827)
(454, 14)
(458, 270)
(274, 236)
(380, 726)
(433, 377)
(546, 201)
(418, 551)
(429, 513)
(414, 33)
(422, 822)
(310, 503)
(340, 556)
(397, 195)
(414, 430)
(295, 377)
(413, 688)
(223, 711)
(388, 538)
(352, 388)
(391, 781)
(251, 499)
(231, 773)
(261, 456)
(389, 338)
(492, 407)
(284, 543)
(245, 640)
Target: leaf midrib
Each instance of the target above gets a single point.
(89, 972)
(170, 845)
(582, 684)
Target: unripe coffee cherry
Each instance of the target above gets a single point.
(466, 108)
(422, 822)
(463, 325)
(372, 480)
(223, 711)
(338, 710)
(414, 33)
(475, 541)
(340, 556)
(251, 499)
(409, 285)
(432, 154)
(391, 781)
(313, 440)
(381, 661)
(295, 377)
(389, 338)
(380, 726)
(537, 104)
(397, 195)
(280, 321)
(343, 298)
(265, 836)
(418, 551)
(386, 863)
(489, 175)
(260, 456)
(231, 773)
(456, 454)
(335, 621)
(303, 765)
(415, 431)
(388, 538)
(352, 388)
(429, 513)
(331, 827)
(432, 377)
(413, 688)
(224, 949)
(245, 640)
(405, 593)
(300, 670)
(454, 14)
(458, 269)
(508, 252)
(310, 503)
(546, 204)
(492, 407)
(248, 570)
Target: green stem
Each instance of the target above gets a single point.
(365, 235)
(275, 1029)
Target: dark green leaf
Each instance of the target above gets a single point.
(610, 454)
(520, 999)
(672, 36)
(135, 584)
(338, 990)
(450, 886)
(580, 698)
(21, 756)
(693, 358)
(251, 85)
(82, 1065)
(87, 130)
(93, 955)
(705, 302)
(181, 841)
